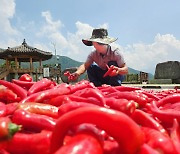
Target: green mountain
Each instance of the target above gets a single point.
(67, 62)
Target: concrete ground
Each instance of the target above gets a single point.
(155, 86)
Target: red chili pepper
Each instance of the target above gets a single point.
(91, 99)
(107, 89)
(22, 93)
(32, 121)
(126, 88)
(72, 105)
(7, 95)
(140, 98)
(86, 129)
(158, 141)
(3, 151)
(111, 147)
(174, 106)
(101, 135)
(91, 129)
(11, 108)
(118, 125)
(109, 71)
(81, 143)
(39, 108)
(81, 85)
(24, 84)
(33, 143)
(146, 120)
(40, 97)
(71, 76)
(7, 109)
(91, 92)
(39, 86)
(173, 98)
(165, 116)
(62, 85)
(123, 105)
(150, 96)
(175, 134)
(2, 109)
(146, 149)
(59, 100)
(67, 73)
(7, 128)
(26, 77)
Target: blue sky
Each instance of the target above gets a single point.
(147, 31)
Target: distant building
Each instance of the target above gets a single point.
(169, 70)
(22, 54)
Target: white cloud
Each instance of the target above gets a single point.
(52, 26)
(139, 56)
(70, 45)
(144, 57)
(77, 50)
(41, 46)
(7, 11)
(52, 31)
(9, 43)
(67, 45)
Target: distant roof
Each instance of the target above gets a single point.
(1, 50)
(23, 52)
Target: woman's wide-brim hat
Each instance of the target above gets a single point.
(99, 35)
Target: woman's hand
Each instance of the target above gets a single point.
(115, 71)
(71, 76)
(112, 71)
(74, 76)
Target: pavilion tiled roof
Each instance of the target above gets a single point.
(24, 51)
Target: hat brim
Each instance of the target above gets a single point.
(106, 40)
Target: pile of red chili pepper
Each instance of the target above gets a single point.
(47, 118)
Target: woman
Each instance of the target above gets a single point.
(102, 58)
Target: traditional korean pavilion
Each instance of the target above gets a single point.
(24, 54)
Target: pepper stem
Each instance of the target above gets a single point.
(13, 128)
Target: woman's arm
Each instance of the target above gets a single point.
(118, 70)
(82, 68)
(122, 70)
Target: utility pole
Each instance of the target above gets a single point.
(54, 45)
(57, 65)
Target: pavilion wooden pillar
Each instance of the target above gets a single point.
(31, 63)
(40, 65)
(19, 64)
(7, 64)
(16, 67)
(31, 66)
(16, 63)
